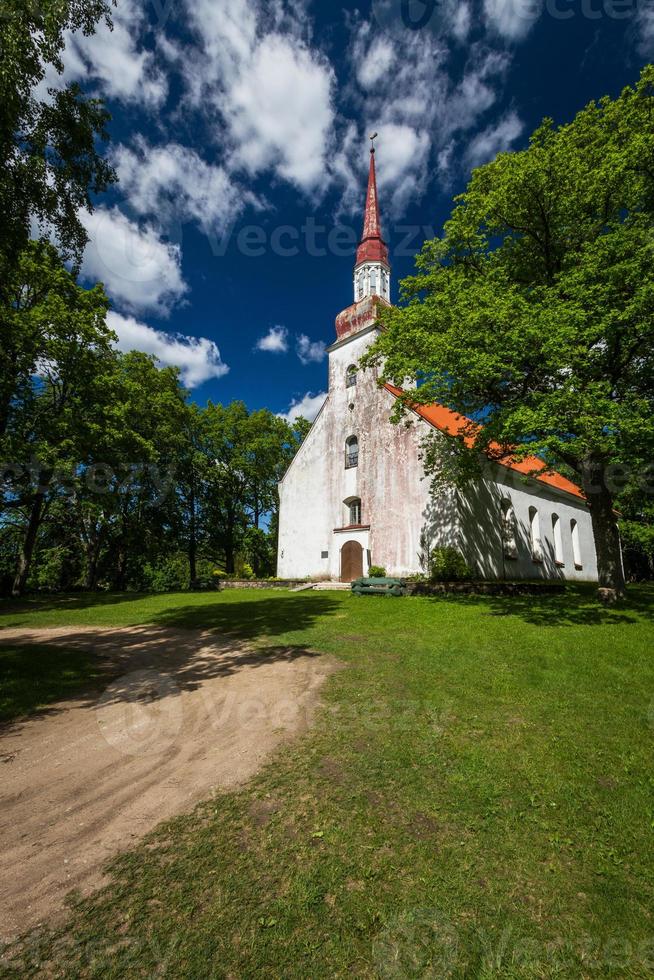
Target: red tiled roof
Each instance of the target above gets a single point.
(453, 424)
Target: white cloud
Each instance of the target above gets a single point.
(280, 112)
(461, 21)
(115, 60)
(645, 31)
(270, 90)
(138, 269)
(172, 181)
(308, 407)
(310, 351)
(495, 139)
(198, 358)
(377, 61)
(275, 341)
(419, 107)
(512, 19)
(405, 157)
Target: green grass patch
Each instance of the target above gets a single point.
(35, 676)
(476, 799)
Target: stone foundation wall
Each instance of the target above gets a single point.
(247, 584)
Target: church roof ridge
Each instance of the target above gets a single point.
(454, 424)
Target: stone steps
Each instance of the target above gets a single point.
(332, 586)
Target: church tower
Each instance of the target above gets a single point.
(372, 271)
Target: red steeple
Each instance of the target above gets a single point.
(372, 247)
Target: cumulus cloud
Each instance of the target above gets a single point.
(174, 182)
(269, 89)
(114, 60)
(307, 407)
(275, 341)
(140, 270)
(495, 139)
(377, 61)
(310, 351)
(197, 358)
(512, 19)
(419, 105)
(644, 28)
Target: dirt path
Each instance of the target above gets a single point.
(183, 715)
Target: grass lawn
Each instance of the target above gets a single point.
(33, 677)
(475, 800)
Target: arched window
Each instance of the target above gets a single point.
(558, 543)
(509, 543)
(576, 547)
(373, 281)
(354, 507)
(534, 535)
(351, 452)
(351, 376)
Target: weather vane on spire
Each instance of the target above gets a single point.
(372, 142)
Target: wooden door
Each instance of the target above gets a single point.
(351, 561)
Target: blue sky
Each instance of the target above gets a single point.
(239, 136)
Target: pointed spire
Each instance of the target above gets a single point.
(372, 247)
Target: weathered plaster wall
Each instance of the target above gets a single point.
(396, 504)
(304, 520)
(481, 529)
(388, 481)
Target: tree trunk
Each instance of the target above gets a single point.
(229, 559)
(192, 538)
(610, 570)
(27, 548)
(91, 576)
(121, 568)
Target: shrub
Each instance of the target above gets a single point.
(166, 575)
(376, 571)
(247, 571)
(448, 565)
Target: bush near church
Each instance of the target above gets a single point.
(448, 565)
(376, 571)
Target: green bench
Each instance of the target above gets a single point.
(378, 586)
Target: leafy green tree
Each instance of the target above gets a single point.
(55, 416)
(49, 158)
(535, 309)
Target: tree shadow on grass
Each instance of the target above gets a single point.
(248, 618)
(69, 602)
(183, 649)
(578, 606)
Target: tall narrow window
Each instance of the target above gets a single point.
(576, 547)
(509, 543)
(355, 511)
(373, 281)
(351, 377)
(534, 535)
(351, 452)
(558, 543)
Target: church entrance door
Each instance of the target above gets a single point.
(351, 561)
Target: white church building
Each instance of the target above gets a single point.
(356, 494)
